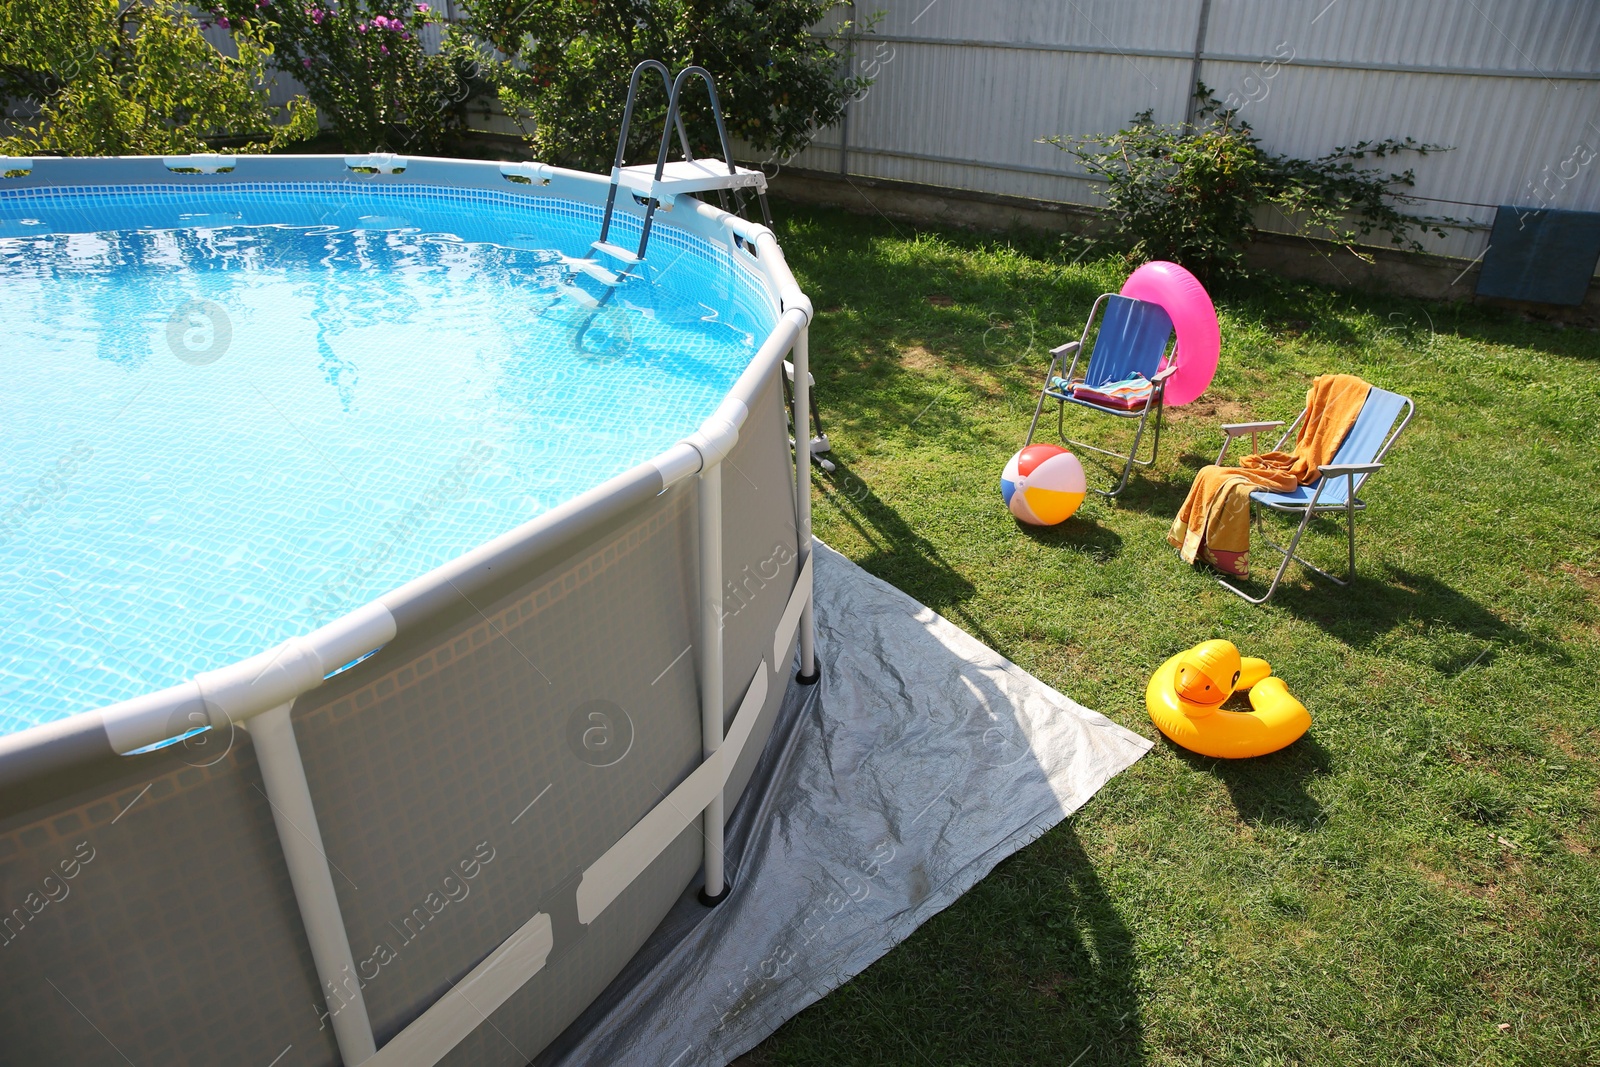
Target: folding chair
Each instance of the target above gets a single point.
(1132, 340)
(1382, 417)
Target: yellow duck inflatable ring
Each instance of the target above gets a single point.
(1185, 698)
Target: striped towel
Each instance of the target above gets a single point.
(1130, 394)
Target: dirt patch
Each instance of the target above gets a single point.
(1460, 882)
(1585, 577)
(1053, 985)
(1210, 410)
(1589, 582)
(940, 300)
(917, 358)
(920, 359)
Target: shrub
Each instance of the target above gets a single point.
(94, 77)
(778, 81)
(364, 65)
(1191, 195)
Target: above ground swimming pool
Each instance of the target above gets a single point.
(386, 589)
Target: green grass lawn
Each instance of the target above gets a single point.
(1416, 880)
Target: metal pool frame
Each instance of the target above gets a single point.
(259, 693)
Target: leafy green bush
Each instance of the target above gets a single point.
(778, 81)
(364, 65)
(1191, 196)
(97, 77)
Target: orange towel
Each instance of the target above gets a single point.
(1213, 525)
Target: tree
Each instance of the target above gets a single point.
(365, 65)
(569, 60)
(94, 77)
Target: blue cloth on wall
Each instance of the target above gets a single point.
(1544, 255)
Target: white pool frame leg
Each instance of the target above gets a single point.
(711, 711)
(715, 440)
(802, 490)
(277, 754)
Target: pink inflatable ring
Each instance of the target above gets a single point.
(1194, 319)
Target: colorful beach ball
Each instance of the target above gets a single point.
(1043, 485)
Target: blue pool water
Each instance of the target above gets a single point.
(231, 414)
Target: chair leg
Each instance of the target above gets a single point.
(1155, 445)
(1288, 556)
(1350, 527)
(1039, 407)
(1127, 467)
(1131, 460)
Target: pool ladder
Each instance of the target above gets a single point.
(657, 185)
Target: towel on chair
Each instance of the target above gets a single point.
(1130, 394)
(1213, 526)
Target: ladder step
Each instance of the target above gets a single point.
(573, 293)
(595, 271)
(689, 176)
(615, 252)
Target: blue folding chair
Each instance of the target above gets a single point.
(1383, 415)
(1132, 339)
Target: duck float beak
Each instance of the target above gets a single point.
(1208, 672)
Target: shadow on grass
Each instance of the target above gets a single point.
(1159, 496)
(898, 554)
(1371, 607)
(1270, 790)
(1078, 535)
(1096, 978)
(1041, 934)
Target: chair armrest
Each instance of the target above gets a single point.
(1239, 429)
(1234, 430)
(1163, 375)
(1339, 470)
(1061, 350)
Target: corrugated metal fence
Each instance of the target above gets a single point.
(963, 90)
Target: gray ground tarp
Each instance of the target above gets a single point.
(920, 762)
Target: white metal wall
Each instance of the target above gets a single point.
(964, 90)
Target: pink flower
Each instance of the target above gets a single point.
(223, 22)
(306, 63)
(423, 8)
(384, 49)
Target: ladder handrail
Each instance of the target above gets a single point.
(627, 120)
(666, 138)
(672, 112)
